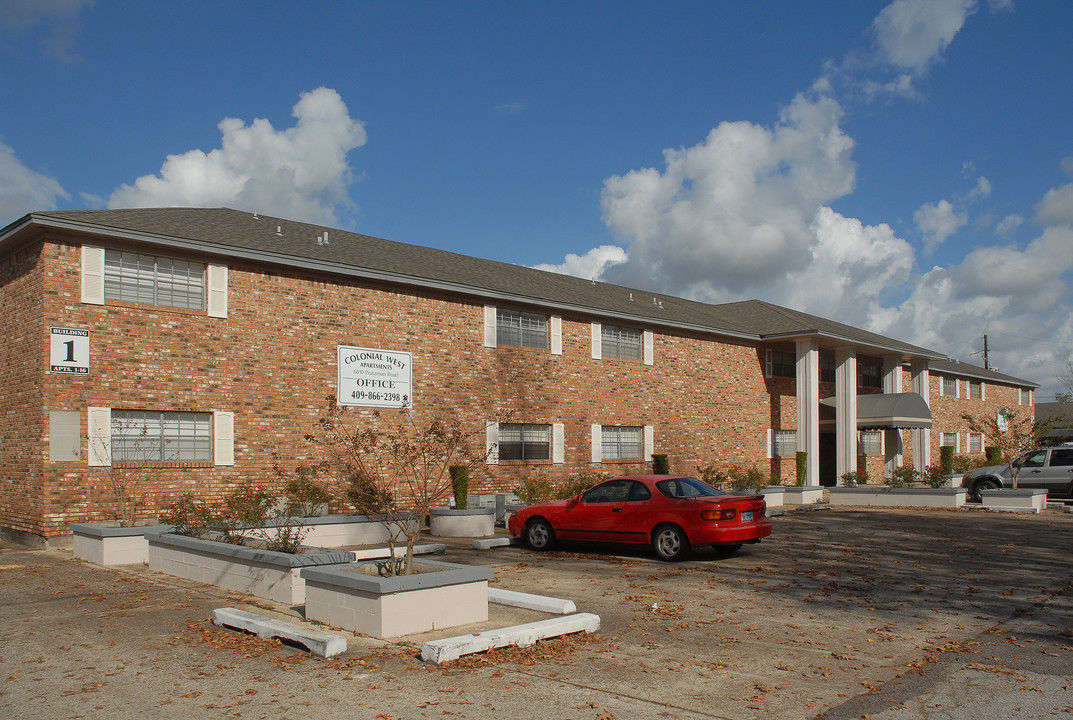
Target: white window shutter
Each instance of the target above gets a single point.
(556, 335)
(223, 438)
(983, 390)
(770, 443)
(99, 422)
(650, 441)
(491, 443)
(218, 291)
(957, 387)
(92, 275)
(558, 443)
(597, 443)
(650, 354)
(490, 327)
(597, 341)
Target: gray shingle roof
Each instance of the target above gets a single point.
(235, 233)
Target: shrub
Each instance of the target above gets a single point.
(460, 485)
(187, 516)
(801, 466)
(746, 479)
(993, 455)
(719, 479)
(902, 477)
(946, 460)
(538, 490)
(933, 476)
(962, 463)
(854, 478)
(304, 492)
(243, 514)
(661, 464)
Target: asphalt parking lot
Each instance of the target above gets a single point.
(839, 614)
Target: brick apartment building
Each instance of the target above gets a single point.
(222, 333)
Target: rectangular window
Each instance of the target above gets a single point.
(827, 368)
(153, 436)
(136, 278)
(949, 440)
(521, 329)
(976, 390)
(622, 443)
(976, 442)
(869, 375)
(781, 364)
(950, 386)
(621, 342)
(871, 442)
(785, 443)
(524, 442)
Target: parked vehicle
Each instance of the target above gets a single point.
(671, 513)
(1049, 468)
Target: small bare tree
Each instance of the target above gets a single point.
(395, 468)
(1010, 433)
(127, 477)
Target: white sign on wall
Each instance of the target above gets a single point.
(68, 351)
(374, 378)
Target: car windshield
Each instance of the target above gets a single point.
(686, 487)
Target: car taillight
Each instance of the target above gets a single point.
(724, 514)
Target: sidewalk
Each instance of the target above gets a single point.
(885, 614)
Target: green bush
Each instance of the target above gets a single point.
(946, 459)
(746, 479)
(538, 490)
(934, 476)
(661, 464)
(902, 477)
(241, 515)
(460, 485)
(801, 467)
(993, 455)
(305, 493)
(855, 478)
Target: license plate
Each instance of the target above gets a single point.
(747, 516)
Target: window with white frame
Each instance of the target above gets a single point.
(781, 363)
(948, 440)
(519, 441)
(150, 280)
(621, 342)
(152, 436)
(950, 386)
(521, 329)
(976, 390)
(869, 375)
(976, 442)
(622, 443)
(785, 443)
(871, 442)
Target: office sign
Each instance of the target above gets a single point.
(374, 378)
(68, 351)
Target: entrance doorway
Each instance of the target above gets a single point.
(828, 459)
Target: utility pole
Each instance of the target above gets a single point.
(986, 365)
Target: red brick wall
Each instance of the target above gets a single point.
(272, 362)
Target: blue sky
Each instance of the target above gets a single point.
(902, 166)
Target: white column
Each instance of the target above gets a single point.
(922, 437)
(845, 411)
(808, 407)
(892, 384)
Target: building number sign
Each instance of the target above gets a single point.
(68, 351)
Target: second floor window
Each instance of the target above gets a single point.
(781, 364)
(521, 329)
(621, 342)
(149, 280)
(976, 390)
(870, 376)
(950, 386)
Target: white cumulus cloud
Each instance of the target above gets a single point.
(1056, 207)
(938, 222)
(300, 173)
(590, 265)
(23, 190)
(911, 34)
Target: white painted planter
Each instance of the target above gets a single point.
(110, 544)
(334, 531)
(354, 597)
(1021, 500)
(264, 573)
(779, 495)
(884, 496)
(450, 522)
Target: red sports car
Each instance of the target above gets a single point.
(671, 513)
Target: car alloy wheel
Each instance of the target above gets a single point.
(539, 535)
(670, 543)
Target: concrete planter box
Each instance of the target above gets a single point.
(110, 544)
(883, 496)
(333, 531)
(450, 522)
(1020, 500)
(779, 495)
(354, 597)
(264, 573)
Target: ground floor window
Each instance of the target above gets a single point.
(872, 442)
(524, 442)
(976, 442)
(785, 443)
(948, 440)
(622, 443)
(154, 436)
